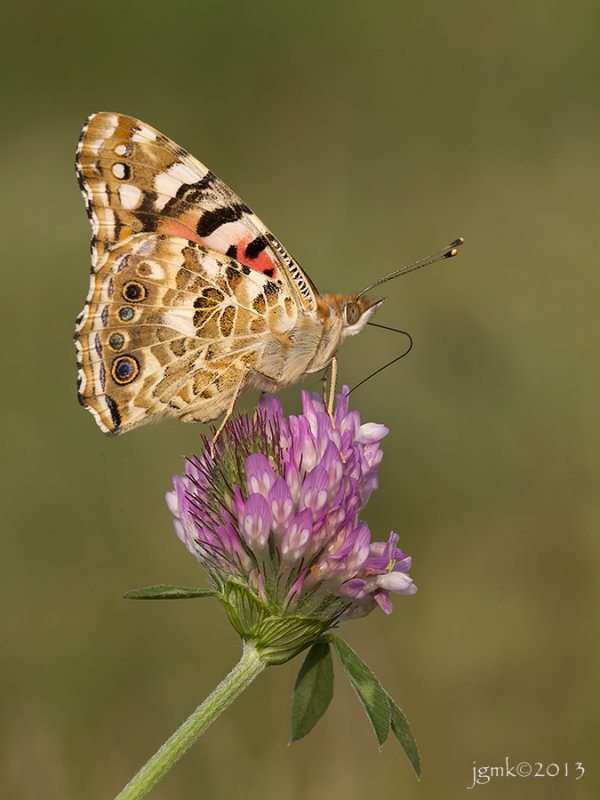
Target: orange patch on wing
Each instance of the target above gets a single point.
(262, 263)
(183, 228)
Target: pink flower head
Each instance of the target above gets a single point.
(277, 511)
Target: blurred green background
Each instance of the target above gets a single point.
(365, 135)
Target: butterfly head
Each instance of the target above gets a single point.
(354, 312)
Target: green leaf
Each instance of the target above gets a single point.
(366, 685)
(167, 592)
(402, 731)
(313, 690)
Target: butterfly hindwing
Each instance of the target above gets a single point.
(171, 328)
(134, 179)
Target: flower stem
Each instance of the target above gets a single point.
(249, 666)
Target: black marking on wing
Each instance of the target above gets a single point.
(271, 289)
(114, 411)
(117, 224)
(255, 247)
(192, 193)
(146, 212)
(211, 220)
(81, 181)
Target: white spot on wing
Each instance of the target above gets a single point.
(119, 171)
(129, 196)
(166, 184)
(101, 198)
(183, 173)
(94, 146)
(226, 234)
(110, 124)
(143, 134)
(121, 149)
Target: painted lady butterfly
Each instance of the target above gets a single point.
(192, 299)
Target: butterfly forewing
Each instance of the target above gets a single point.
(134, 179)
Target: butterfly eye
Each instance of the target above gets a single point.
(353, 313)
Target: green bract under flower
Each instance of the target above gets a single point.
(274, 519)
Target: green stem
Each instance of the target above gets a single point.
(249, 666)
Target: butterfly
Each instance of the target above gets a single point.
(192, 300)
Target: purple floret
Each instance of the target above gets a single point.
(278, 508)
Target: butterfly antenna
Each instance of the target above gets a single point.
(446, 252)
(393, 361)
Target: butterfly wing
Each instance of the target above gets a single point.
(134, 179)
(171, 328)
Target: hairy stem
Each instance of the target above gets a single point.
(249, 666)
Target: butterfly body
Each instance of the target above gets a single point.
(192, 300)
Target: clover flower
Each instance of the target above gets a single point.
(273, 514)
(276, 513)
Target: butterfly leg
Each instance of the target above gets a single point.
(329, 400)
(228, 413)
(328, 396)
(332, 383)
(324, 378)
